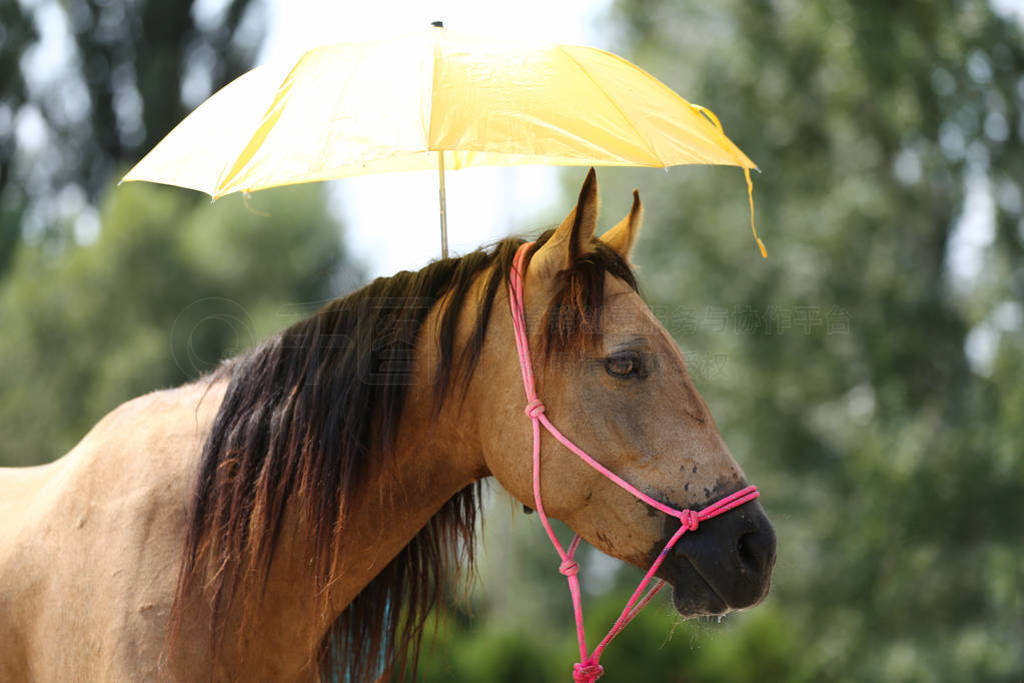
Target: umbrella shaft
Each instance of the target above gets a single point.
(444, 208)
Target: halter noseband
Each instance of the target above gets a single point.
(589, 669)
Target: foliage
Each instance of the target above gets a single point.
(88, 86)
(171, 285)
(167, 290)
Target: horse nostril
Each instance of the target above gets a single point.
(756, 551)
(747, 557)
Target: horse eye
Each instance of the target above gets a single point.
(622, 365)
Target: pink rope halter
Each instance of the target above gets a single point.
(589, 669)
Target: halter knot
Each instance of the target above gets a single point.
(586, 673)
(534, 409)
(689, 519)
(569, 567)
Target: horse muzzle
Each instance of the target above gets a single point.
(724, 565)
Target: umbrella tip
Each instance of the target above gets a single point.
(437, 24)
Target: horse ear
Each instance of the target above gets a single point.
(622, 237)
(574, 237)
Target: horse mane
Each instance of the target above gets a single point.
(302, 416)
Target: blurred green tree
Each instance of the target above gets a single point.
(17, 34)
(168, 289)
(88, 86)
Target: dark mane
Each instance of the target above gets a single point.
(305, 411)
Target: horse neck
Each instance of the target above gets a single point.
(436, 455)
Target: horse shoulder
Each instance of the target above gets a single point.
(89, 559)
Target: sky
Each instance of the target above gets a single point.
(392, 220)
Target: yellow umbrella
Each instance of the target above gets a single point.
(434, 99)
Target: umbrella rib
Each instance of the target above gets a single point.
(647, 143)
(274, 111)
(233, 167)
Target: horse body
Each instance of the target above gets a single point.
(87, 571)
(95, 583)
(87, 575)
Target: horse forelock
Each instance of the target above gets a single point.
(295, 428)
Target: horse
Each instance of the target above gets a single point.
(297, 513)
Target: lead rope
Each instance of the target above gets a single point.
(589, 669)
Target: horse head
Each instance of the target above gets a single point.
(614, 382)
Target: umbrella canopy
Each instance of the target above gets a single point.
(434, 99)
